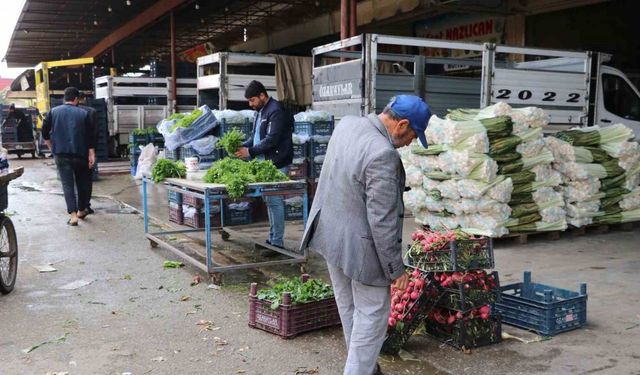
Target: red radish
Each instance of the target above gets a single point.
(392, 322)
(416, 273)
(406, 296)
(411, 284)
(415, 295)
(485, 309)
(451, 319)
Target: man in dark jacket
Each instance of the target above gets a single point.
(68, 133)
(270, 140)
(93, 115)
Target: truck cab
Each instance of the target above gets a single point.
(618, 100)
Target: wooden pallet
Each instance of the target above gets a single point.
(523, 238)
(600, 228)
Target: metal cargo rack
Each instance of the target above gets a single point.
(123, 96)
(216, 192)
(355, 77)
(223, 76)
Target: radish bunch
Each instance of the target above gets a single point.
(450, 317)
(471, 279)
(403, 301)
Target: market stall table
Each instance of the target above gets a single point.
(195, 187)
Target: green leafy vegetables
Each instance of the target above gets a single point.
(301, 292)
(165, 168)
(184, 120)
(237, 174)
(231, 141)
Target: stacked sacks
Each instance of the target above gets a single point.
(523, 157)
(600, 170)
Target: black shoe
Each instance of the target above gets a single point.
(89, 211)
(378, 370)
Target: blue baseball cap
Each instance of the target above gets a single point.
(414, 109)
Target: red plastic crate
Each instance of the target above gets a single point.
(175, 213)
(197, 221)
(298, 171)
(192, 201)
(288, 321)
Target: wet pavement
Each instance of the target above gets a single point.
(134, 316)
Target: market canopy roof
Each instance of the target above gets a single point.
(60, 29)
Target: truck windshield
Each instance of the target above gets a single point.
(619, 98)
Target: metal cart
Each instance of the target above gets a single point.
(8, 238)
(216, 192)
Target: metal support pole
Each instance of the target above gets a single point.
(145, 208)
(344, 19)
(353, 17)
(174, 86)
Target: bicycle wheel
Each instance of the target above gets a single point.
(8, 256)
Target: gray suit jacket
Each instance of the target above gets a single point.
(355, 221)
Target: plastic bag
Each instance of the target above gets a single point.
(204, 146)
(321, 138)
(249, 114)
(201, 126)
(300, 139)
(164, 126)
(189, 211)
(230, 116)
(312, 116)
(294, 201)
(146, 160)
(319, 159)
(240, 206)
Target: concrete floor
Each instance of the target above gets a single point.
(124, 322)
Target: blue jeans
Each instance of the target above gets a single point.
(275, 208)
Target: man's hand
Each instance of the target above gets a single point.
(92, 158)
(401, 282)
(243, 153)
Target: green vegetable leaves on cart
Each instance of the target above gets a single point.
(172, 264)
(301, 292)
(183, 120)
(231, 141)
(237, 174)
(165, 168)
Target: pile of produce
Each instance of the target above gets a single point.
(404, 302)
(231, 141)
(600, 170)
(301, 292)
(165, 168)
(184, 120)
(236, 174)
(486, 171)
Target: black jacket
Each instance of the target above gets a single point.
(276, 128)
(70, 130)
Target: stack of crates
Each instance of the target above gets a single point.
(10, 131)
(245, 127)
(313, 151)
(205, 161)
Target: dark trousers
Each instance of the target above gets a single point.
(89, 183)
(74, 173)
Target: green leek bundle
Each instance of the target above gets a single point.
(545, 157)
(522, 177)
(595, 135)
(590, 155)
(540, 226)
(526, 219)
(622, 217)
(506, 158)
(432, 150)
(504, 145)
(533, 186)
(531, 208)
(496, 127)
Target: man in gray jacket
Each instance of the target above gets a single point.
(355, 221)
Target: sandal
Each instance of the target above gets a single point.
(73, 224)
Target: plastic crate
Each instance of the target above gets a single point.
(174, 196)
(541, 308)
(318, 149)
(293, 212)
(298, 171)
(316, 169)
(156, 138)
(175, 213)
(192, 201)
(303, 128)
(300, 151)
(237, 217)
(467, 334)
(188, 151)
(313, 128)
(138, 139)
(198, 220)
(172, 155)
(463, 255)
(245, 127)
(398, 336)
(469, 295)
(289, 320)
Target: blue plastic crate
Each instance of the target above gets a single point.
(204, 160)
(237, 217)
(172, 155)
(542, 308)
(300, 151)
(303, 128)
(316, 168)
(245, 127)
(174, 196)
(139, 139)
(318, 149)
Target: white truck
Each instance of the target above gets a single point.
(359, 75)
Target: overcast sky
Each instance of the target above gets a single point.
(8, 18)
